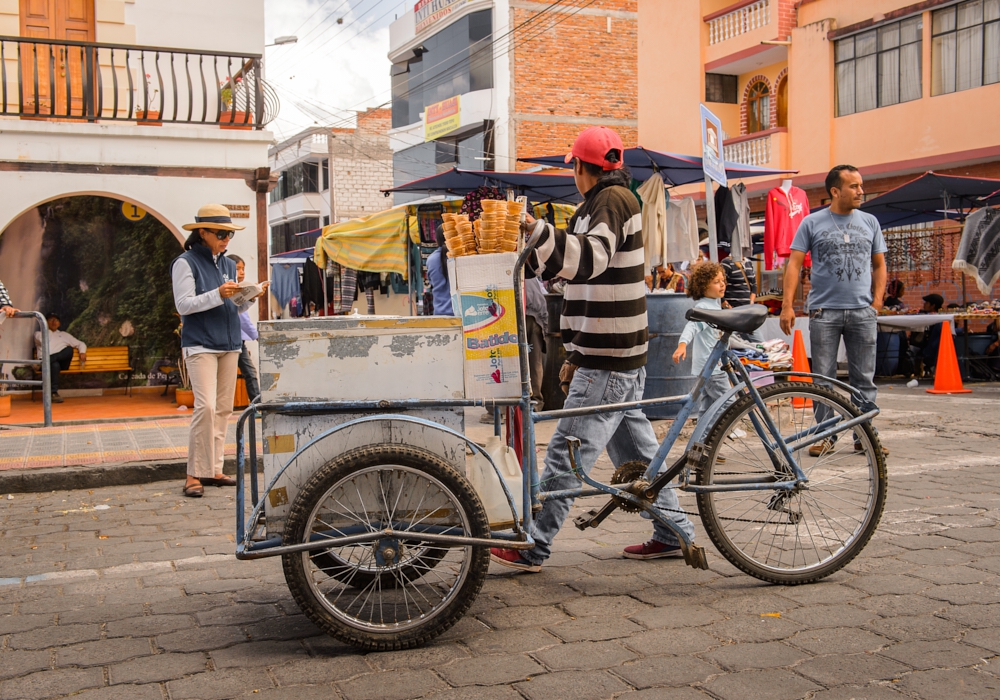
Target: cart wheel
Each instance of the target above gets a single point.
(800, 535)
(391, 593)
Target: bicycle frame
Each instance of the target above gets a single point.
(654, 479)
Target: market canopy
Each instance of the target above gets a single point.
(538, 187)
(373, 243)
(932, 197)
(676, 169)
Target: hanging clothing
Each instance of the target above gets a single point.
(784, 213)
(333, 289)
(978, 253)
(348, 289)
(312, 287)
(732, 218)
(285, 284)
(654, 220)
(682, 230)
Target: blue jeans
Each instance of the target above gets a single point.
(627, 436)
(858, 328)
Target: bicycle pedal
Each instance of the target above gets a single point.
(586, 520)
(695, 557)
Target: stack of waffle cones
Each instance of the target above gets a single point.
(496, 231)
(501, 226)
(458, 235)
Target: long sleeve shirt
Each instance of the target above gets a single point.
(701, 337)
(601, 256)
(440, 286)
(248, 329)
(59, 340)
(188, 302)
(4, 296)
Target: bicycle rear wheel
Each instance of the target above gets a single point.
(804, 534)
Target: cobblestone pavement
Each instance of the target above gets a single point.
(133, 593)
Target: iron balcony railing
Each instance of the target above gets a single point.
(88, 81)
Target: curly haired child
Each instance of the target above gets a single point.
(707, 285)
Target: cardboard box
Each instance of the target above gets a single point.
(483, 295)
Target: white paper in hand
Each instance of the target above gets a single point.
(245, 292)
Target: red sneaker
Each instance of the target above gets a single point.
(652, 550)
(513, 559)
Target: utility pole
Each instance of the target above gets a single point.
(329, 176)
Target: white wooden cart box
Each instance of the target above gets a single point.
(345, 358)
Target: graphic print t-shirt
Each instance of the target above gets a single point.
(842, 268)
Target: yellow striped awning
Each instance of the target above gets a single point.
(373, 243)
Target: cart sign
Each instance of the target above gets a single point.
(428, 12)
(442, 118)
(711, 146)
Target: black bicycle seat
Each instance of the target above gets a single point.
(742, 319)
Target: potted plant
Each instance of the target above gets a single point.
(184, 396)
(147, 96)
(4, 398)
(229, 118)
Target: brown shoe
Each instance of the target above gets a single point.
(194, 491)
(818, 449)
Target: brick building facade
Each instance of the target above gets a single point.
(362, 168)
(528, 77)
(581, 72)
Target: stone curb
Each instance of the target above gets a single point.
(92, 476)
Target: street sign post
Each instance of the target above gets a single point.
(714, 165)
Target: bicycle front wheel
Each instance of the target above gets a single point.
(806, 533)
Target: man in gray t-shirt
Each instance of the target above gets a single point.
(848, 283)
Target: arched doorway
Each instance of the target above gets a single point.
(102, 264)
(782, 106)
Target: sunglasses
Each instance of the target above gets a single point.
(224, 235)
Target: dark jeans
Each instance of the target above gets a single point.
(59, 362)
(249, 372)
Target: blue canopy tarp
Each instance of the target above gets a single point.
(538, 187)
(676, 169)
(932, 197)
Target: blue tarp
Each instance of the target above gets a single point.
(932, 197)
(538, 187)
(676, 169)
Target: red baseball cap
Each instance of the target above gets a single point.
(593, 144)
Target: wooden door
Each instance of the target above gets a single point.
(783, 102)
(61, 71)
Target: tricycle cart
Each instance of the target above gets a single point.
(370, 501)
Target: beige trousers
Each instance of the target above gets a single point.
(213, 379)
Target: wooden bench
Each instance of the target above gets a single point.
(113, 358)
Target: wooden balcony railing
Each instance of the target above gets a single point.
(744, 19)
(88, 81)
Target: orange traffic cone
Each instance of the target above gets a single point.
(800, 363)
(947, 377)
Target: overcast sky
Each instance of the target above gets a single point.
(334, 67)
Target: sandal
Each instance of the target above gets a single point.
(194, 491)
(219, 481)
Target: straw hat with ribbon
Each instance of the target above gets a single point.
(213, 216)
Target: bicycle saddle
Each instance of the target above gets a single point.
(743, 319)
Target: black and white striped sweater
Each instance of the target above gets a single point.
(601, 256)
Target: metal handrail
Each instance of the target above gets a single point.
(46, 381)
(90, 81)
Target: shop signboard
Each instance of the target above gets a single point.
(442, 118)
(429, 12)
(711, 146)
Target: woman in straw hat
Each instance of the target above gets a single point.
(204, 281)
